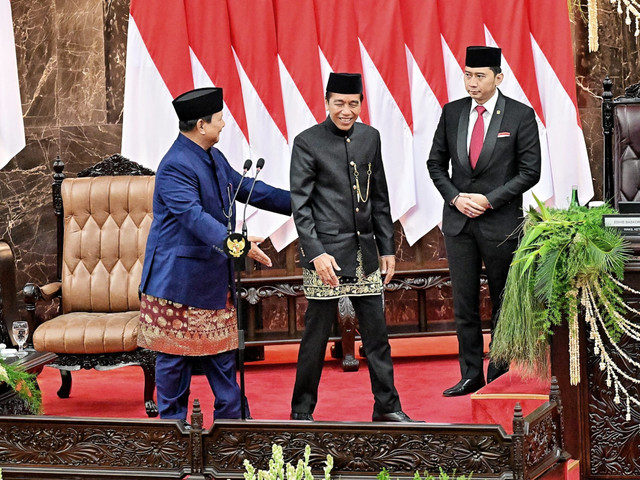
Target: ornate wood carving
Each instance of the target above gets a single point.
(11, 403)
(614, 442)
(56, 193)
(115, 165)
(106, 361)
(90, 448)
(518, 443)
(91, 444)
(632, 91)
(348, 324)
(197, 464)
(542, 444)
(253, 295)
(607, 129)
(598, 433)
(418, 283)
(360, 450)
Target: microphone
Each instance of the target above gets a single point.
(232, 202)
(236, 245)
(259, 166)
(246, 166)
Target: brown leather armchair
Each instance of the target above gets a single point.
(104, 216)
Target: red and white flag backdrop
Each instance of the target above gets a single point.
(273, 58)
(11, 125)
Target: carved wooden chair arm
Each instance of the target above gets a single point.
(34, 293)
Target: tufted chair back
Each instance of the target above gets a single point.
(621, 141)
(106, 224)
(626, 152)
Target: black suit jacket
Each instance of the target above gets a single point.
(509, 164)
(328, 215)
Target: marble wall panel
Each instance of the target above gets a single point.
(116, 18)
(81, 63)
(83, 146)
(26, 214)
(35, 30)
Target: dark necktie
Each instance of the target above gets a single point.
(477, 137)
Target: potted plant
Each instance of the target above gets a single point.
(24, 384)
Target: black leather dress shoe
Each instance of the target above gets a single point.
(496, 375)
(398, 416)
(494, 372)
(464, 387)
(301, 416)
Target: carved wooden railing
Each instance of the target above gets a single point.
(98, 448)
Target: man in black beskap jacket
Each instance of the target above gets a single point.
(340, 205)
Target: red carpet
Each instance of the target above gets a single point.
(494, 403)
(423, 369)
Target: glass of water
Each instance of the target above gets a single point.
(20, 332)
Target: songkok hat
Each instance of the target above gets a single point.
(344, 83)
(198, 103)
(478, 57)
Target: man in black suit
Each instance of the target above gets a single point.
(341, 210)
(492, 144)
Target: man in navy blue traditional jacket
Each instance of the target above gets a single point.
(187, 307)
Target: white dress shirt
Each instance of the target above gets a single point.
(490, 106)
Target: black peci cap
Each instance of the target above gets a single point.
(347, 83)
(478, 57)
(198, 103)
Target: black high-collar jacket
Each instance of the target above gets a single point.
(329, 214)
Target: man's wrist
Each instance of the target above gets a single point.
(317, 257)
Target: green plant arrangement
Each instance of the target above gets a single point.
(567, 260)
(278, 470)
(384, 475)
(25, 386)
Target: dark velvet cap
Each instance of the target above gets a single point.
(347, 83)
(478, 57)
(198, 103)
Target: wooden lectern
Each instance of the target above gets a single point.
(596, 431)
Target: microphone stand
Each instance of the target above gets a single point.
(239, 265)
(238, 258)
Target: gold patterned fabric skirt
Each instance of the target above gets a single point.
(177, 329)
(359, 285)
